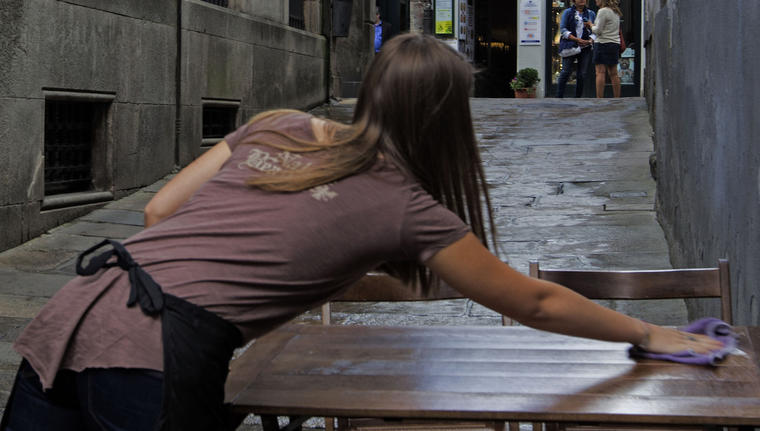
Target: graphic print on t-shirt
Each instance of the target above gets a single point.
(265, 162)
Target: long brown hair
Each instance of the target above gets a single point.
(413, 108)
(612, 4)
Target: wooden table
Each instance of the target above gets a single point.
(486, 373)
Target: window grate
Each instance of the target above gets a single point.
(222, 3)
(218, 121)
(296, 19)
(69, 138)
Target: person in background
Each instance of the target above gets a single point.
(378, 29)
(575, 26)
(607, 46)
(285, 213)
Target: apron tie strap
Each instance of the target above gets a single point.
(143, 291)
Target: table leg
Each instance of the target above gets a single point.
(234, 419)
(269, 423)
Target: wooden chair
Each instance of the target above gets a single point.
(383, 288)
(643, 284)
(648, 284)
(376, 287)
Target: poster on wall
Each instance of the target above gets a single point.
(471, 32)
(625, 70)
(466, 30)
(529, 21)
(626, 66)
(444, 17)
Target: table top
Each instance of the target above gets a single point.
(486, 373)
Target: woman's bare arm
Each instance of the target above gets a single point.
(470, 268)
(179, 189)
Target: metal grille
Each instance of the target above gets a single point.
(69, 136)
(218, 121)
(222, 3)
(296, 19)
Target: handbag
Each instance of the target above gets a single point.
(622, 41)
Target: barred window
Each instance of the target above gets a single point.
(69, 138)
(222, 3)
(219, 119)
(296, 19)
(77, 148)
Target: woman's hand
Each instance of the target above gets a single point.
(668, 340)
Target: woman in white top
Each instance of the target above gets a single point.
(607, 46)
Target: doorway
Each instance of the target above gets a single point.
(495, 54)
(629, 67)
(395, 16)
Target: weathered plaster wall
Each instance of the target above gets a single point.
(233, 56)
(417, 14)
(128, 50)
(264, 9)
(352, 53)
(124, 49)
(703, 93)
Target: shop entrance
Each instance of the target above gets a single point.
(629, 68)
(395, 15)
(495, 47)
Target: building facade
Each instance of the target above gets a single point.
(98, 99)
(703, 98)
(502, 36)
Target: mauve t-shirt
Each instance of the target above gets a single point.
(253, 257)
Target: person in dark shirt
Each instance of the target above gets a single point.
(378, 30)
(575, 32)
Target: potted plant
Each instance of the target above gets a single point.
(524, 83)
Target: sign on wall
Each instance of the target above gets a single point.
(529, 22)
(444, 16)
(466, 30)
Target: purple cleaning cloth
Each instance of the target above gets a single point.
(710, 326)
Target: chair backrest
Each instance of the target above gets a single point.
(647, 284)
(375, 287)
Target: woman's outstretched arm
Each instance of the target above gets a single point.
(470, 268)
(179, 189)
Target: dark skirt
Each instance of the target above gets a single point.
(606, 53)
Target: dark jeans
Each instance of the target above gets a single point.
(583, 61)
(94, 399)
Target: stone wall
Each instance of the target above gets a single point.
(703, 96)
(417, 10)
(351, 54)
(122, 56)
(256, 63)
(263, 9)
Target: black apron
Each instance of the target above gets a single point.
(197, 345)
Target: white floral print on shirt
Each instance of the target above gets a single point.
(263, 161)
(323, 193)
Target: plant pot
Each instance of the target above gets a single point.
(525, 93)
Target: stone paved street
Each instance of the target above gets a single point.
(570, 184)
(571, 188)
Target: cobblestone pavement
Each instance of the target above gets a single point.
(570, 186)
